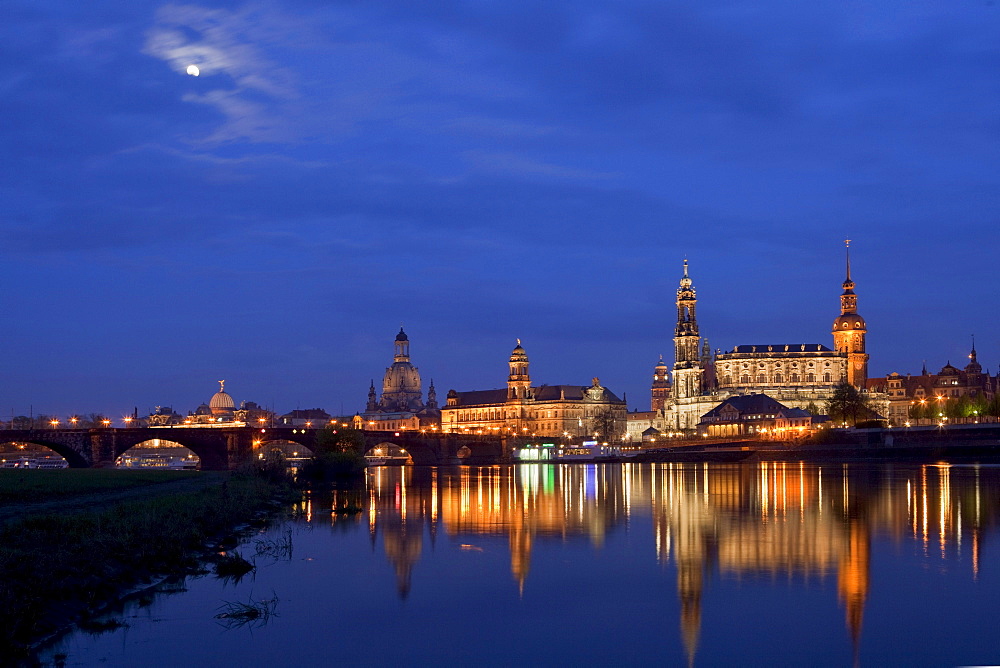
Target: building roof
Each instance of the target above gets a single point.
(781, 348)
(540, 394)
(747, 404)
(307, 414)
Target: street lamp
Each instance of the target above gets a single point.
(54, 423)
(106, 422)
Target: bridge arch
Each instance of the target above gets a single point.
(158, 453)
(398, 453)
(287, 447)
(419, 451)
(72, 457)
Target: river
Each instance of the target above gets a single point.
(611, 564)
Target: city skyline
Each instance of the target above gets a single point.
(479, 174)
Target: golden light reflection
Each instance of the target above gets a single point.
(791, 520)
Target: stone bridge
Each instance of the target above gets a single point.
(221, 448)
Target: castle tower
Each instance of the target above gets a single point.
(687, 342)
(973, 368)
(849, 331)
(661, 386)
(518, 382)
(372, 404)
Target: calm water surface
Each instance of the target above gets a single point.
(701, 564)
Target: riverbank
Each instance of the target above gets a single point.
(107, 532)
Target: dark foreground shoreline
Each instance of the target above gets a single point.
(63, 562)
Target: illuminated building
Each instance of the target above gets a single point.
(220, 410)
(795, 374)
(748, 414)
(556, 411)
(306, 417)
(401, 405)
(910, 397)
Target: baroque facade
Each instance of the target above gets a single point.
(798, 375)
(401, 405)
(556, 411)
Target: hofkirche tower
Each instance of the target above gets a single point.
(687, 342)
(849, 331)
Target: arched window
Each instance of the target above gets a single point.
(761, 379)
(745, 379)
(826, 377)
(810, 378)
(777, 378)
(794, 378)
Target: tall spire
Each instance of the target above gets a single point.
(849, 329)
(847, 245)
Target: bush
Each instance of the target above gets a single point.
(332, 467)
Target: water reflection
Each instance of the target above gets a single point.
(722, 520)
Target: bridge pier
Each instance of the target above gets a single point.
(103, 448)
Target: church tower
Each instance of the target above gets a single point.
(518, 382)
(849, 331)
(687, 342)
(661, 386)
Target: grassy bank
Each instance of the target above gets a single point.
(35, 486)
(55, 566)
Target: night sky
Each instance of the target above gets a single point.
(478, 172)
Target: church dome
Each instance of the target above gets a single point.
(518, 354)
(849, 321)
(402, 335)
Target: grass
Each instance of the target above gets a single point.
(32, 486)
(253, 613)
(56, 567)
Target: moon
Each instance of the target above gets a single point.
(193, 70)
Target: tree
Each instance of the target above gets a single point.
(606, 425)
(848, 405)
(341, 439)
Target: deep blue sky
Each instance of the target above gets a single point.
(480, 171)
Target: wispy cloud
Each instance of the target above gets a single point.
(254, 94)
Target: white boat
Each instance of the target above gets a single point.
(20, 463)
(588, 451)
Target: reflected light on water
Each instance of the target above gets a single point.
(702, 516)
